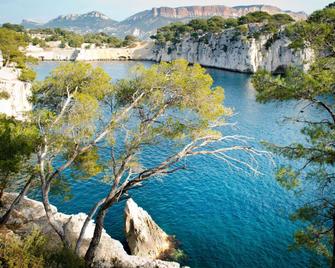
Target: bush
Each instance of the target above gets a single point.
(4, 95)
(27, 75)
(26, 253)
(36, 251)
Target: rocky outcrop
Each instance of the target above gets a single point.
(145, 238)
(15, 93)
(232, 51)
(30, 214)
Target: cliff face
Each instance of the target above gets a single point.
(236, 53)
(219, 10)
(18, 92)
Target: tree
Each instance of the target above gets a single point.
(10, 44)
(317, 152)
(254, 17)
(17, 144)
(14, 27)
(79, 112)
(169, 102)
(66, 111)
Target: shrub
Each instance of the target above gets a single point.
(27, 75)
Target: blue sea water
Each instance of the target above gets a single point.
(221, 216)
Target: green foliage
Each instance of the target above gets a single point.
(317, 32)
(254, 17)
(73, 39)
(35, 251)
(17, 142)
(10, 44)
(316, 153)
(26, 253)
(4, 95)
(191, 87)
(27, 75)
(129, 40)
(65, 258)
(198, 27)
(100, 39)
(14, 27)
(84, 87)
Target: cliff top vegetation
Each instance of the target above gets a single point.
(198, 27)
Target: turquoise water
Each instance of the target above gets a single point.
(222, 217)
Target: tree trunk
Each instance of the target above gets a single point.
(99, 224)
(87, 220)
(24, 191)
(48, 212)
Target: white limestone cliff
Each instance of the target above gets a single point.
(145, 238)
(236, 52)
(30, 214)
(16, 103)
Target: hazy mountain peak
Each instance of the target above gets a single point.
(145, 23)
(96, 14)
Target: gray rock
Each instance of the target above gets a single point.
(145, 238)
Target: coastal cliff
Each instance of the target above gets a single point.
(236, 52)
(30, 215)
(228, 50)
(15, 93)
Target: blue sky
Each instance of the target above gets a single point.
(42, 10)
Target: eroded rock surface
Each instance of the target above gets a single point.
(145, 238)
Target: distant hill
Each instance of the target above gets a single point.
(145, 23)
(89, 22)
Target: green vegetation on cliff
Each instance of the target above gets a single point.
(12, 43)
(198, 27)
(73, 39)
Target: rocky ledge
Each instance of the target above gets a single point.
(30, 215)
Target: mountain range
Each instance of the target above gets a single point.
(145, 23)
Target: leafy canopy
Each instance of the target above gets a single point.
(316, 153)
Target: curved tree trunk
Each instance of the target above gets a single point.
(99, 224)
(87, 220)
(49, 214)
(4, 219)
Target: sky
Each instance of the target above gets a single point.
(42, 10)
